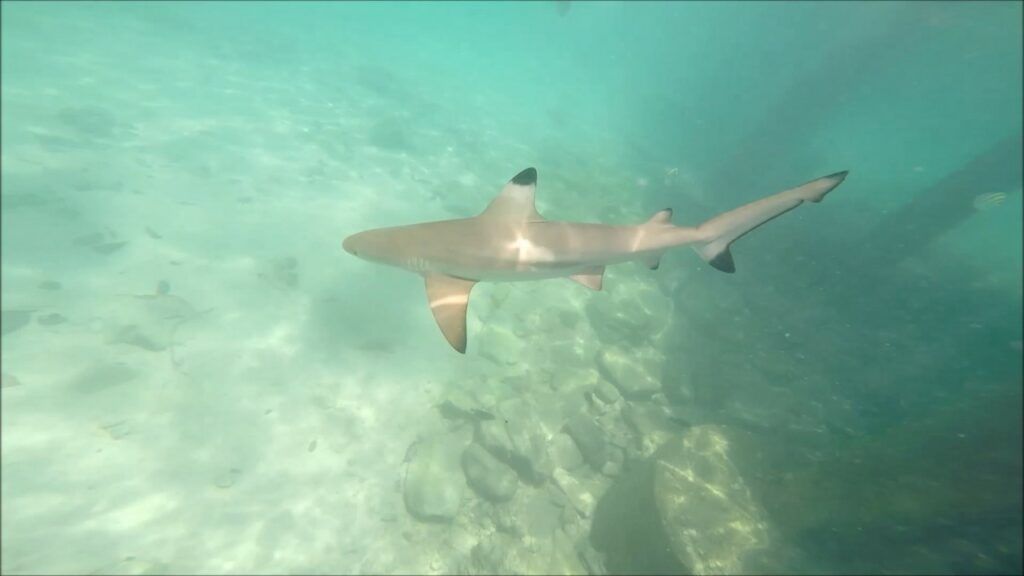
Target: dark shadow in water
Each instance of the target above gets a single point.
(946, 204)
(392, 133)
(921, 471)
(758, 161)
(626, 527)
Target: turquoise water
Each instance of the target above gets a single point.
(198, 379)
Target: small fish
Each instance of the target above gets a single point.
(410, 452)
(152, 234)
(89, 239)
(51, 319)
(989, 200)
(109, 247)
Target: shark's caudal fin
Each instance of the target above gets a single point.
(718, 233)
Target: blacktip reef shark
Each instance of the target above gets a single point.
(510, 241)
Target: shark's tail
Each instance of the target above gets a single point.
(718, 233)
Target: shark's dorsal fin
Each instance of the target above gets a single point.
(591, 278)
(515, 202)
(661, 217)
(449, 297)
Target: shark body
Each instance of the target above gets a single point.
(510, 241)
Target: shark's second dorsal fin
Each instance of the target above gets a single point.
(515, 203)
(449, 299)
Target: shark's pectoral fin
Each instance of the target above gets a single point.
(591, 278)
(449, 299)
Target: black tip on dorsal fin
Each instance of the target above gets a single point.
(527, 177)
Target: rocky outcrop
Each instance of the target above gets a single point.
(515, 436)
(632, 311)
(636, 376)
(434, 484)
(487, 476)
(707, 511)
(589, 439)
(704, 518)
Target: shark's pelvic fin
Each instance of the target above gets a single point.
(653, 262)
(449, 299)
(515, 203)
(721, 231)
(591, 278)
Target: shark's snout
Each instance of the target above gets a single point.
(348, 245)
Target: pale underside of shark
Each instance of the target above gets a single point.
(510, 241)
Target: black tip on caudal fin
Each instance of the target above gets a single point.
(723, 262)
(817, 189)
(527, 177)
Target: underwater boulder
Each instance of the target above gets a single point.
(633, 311)
(434, 483)
(634, 375)
(707, 511)
(651, 423)
(500, 346)
(684, 510)
(501, 553)
(606, 392)
(589, 439)
(564, 452)
(487, 476)
(575, 491)
(516, 437)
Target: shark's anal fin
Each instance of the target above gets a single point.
(660, 219)
(653, 262)
(449, 299)
(591, 278)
